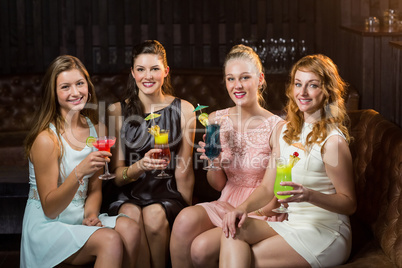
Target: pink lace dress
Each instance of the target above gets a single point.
(244, 158)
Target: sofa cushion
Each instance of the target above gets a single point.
(377, 162)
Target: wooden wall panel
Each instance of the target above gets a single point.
(196, 34)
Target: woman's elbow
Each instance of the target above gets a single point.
(50, 214)
(351, 207)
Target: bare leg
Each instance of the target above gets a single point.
(135, 213)
(130, 234)
(205, 248)
(190, 222)
(104, 247)
(236, 252)
(158, 234)
(276, 252)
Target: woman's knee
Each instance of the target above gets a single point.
(132, 211)
(107, 241)
(204, 251)
(185, 223)
(155, 220)
(128, 228)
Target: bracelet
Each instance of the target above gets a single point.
(80, 181)
(125, 176)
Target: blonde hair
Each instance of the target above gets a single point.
(49, 110)
(243, 52)
(332, 113)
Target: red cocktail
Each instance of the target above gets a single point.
(103, 144)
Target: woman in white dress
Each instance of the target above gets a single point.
(317, 232)
(61, 221)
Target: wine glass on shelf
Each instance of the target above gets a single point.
(104, 143)
(212, 144)
(162, 142)
(283, 173)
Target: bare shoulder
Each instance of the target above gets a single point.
(45, 143)
(335, 144)
(187, 107)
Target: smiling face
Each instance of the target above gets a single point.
(242, 82)
(72, 91)
(149, 73)
(308, 93)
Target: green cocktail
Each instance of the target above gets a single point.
(283, 174)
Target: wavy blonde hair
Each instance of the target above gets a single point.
(332, 112)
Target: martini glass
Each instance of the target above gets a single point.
(103, 144)
(283, 173)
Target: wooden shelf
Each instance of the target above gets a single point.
(362, 30)
(396, 44)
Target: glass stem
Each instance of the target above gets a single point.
(106, 169)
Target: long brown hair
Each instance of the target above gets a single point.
(134, 105)
(49, 109)
(333, 112)
(247, 53)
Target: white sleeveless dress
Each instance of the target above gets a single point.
(321, 237)
(47, 242)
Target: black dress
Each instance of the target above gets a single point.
(147, 189)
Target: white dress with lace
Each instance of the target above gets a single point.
(47, 242)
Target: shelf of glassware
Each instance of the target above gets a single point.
(368, 65)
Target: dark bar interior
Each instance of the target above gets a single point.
(197, 34)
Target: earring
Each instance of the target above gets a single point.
(89, 97)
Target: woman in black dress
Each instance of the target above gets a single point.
(153, 203)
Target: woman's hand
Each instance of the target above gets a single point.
(299, 193)
(232, 220)
(201, 149)
(92, 163)
(92, 221)
(147, 163)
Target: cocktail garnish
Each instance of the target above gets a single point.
(151, 116)
(293, 159)
(199, 108)
(203, 118)
(154, 130)
(89, 141)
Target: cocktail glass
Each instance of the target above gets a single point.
(283, 173)
(103, 144)
(162, 142)
(212, 145)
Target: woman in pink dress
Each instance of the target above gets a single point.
(245, 137)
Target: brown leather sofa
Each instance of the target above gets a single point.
(377, 162)
(376, 150)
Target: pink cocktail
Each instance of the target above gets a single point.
(104, 144)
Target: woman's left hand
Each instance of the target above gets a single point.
(92, 221)
(299, 193)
